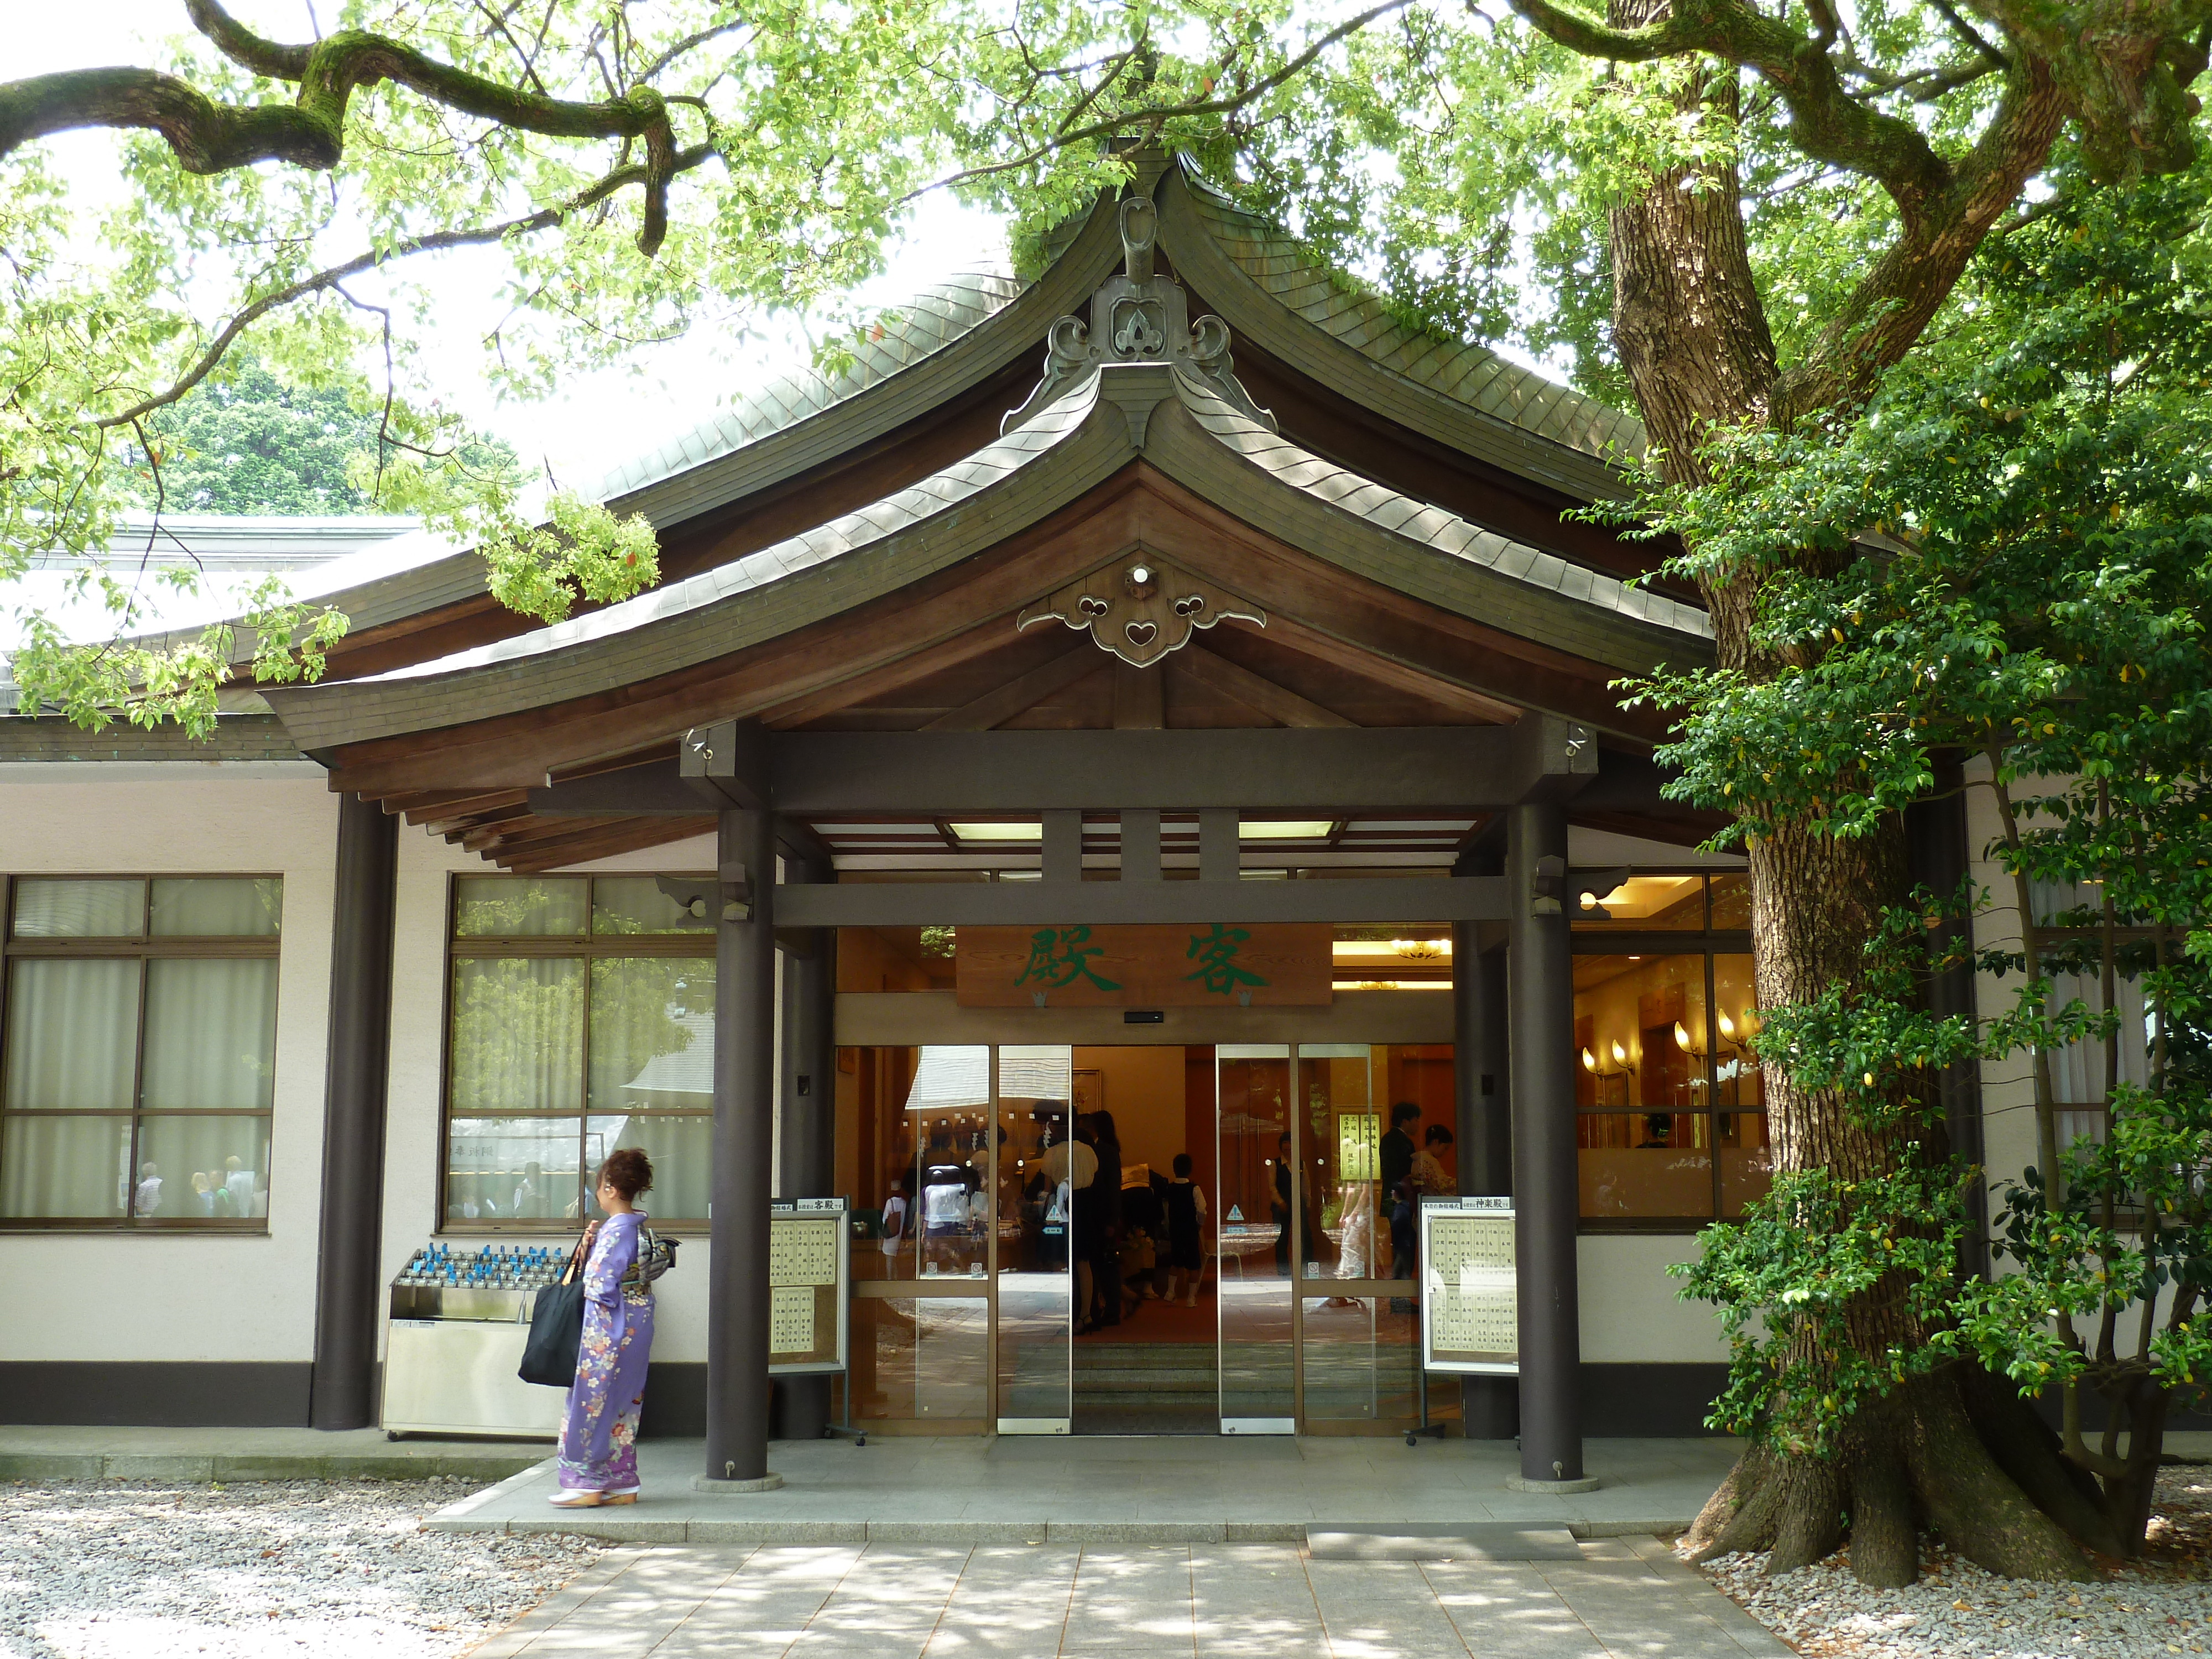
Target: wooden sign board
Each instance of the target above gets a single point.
(1210, 965)
(809, 1270)
(1470, 1292)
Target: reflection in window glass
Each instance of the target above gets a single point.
(1643, 1086)
(1731, 902)
(198, 907)
(1644, 903)
(202, 1168)
(501, 907)
(518, 1036)
(56, 908)
(635, 904)
(682, 1148)
(1360, 1352)
(520, 1168)
(652, 1033)
(1740, 1130)
(920, 1358)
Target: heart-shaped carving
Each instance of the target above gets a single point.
(1141, 633)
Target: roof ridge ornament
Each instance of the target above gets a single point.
(1141, 608)
(1138, 316)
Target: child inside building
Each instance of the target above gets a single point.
(1186, 1218)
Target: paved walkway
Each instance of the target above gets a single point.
(1625, 1597)
(1101, 1489)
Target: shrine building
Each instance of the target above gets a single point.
(1162, 712)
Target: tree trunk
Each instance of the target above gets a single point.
(1691, 328)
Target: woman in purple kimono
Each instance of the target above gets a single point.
(599, 1438)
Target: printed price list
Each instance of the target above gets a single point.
(1474, 1308)
(803, 1250)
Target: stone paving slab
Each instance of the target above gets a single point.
(49, 1452)
(1086, 1491)
(1617, 1598)
(1493, 1540)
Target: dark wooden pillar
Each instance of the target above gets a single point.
(1546, 1194)
(1481, 1066)
(744, 1097)
(348, 1279)
(809, 1109)
(1488, 1405)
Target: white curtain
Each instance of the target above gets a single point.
(72, 1034)
(951, 1075)
(210, 1035)
(64, 1167)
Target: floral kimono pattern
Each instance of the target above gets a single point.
(598, 1436)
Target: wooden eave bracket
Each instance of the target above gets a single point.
(726, 764)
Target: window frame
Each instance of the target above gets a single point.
(586, 947)
(1706, 943)
(143, 949)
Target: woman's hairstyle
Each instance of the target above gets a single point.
(1437, 1136)
(628, 1171)
(1101, 1125)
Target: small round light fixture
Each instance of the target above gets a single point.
(1142, 580)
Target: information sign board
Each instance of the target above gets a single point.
(809, 1277)
(1470, 1304)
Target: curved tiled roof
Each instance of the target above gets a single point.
(1433, 527)
(931, 320)
(1471, 375)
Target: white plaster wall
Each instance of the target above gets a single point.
(1630, 1310)
(92, 1295)
(411, 1211)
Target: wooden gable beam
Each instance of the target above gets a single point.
(1025, 691)
(1277, 702)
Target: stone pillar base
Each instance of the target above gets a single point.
(716, 1484)
(1556, 1488)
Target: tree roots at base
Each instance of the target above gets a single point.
(1919, 1457)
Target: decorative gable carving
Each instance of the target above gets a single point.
(1141, 609)
(1138, 317)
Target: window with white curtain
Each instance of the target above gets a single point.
(137, 1051)
(581, 1020)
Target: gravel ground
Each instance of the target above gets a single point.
(2160, 1605)
(339, 1570)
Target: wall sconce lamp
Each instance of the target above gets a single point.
(1685, 1042)
(1620, 1066)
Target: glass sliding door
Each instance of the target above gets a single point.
(1034, 1218)
(1255, 1211)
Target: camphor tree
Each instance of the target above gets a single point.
(2015, 567)
(1734, 215)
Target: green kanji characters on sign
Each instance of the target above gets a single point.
(1215, 953)
(1060, 956)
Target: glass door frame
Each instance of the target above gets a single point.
(1064, 1423)
(1239, 1423)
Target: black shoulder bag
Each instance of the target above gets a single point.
(557, 1328)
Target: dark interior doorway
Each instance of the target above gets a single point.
(1146, 1359)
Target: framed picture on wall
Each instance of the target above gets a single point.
(1090, 1091)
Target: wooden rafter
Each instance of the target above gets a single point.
(1255, 691)
(1001, 703)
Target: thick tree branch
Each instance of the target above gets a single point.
(310, 132)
